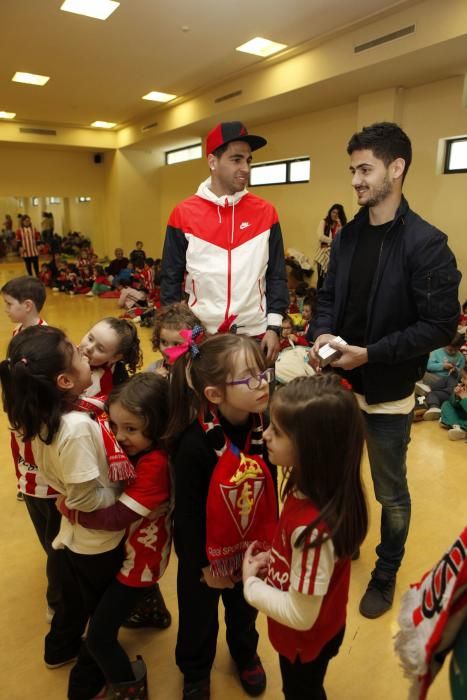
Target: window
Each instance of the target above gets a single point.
(82, 200)
(54, 200)
(456, 156)
(179, 155)
(35, 201)
(282, 172)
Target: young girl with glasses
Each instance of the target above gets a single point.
(316, 433)
(225, 499)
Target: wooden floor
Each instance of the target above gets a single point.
(366, 668)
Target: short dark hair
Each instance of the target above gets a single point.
(24, 288)
(458, 341)
(386, 141)
(221, 150)
(146, 395)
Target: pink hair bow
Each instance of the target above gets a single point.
(193, 337)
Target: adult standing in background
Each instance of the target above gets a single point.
(229, 242)
(391, 292)
(328, 227)
(27, 237)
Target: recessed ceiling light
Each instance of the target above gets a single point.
(30, 78)
(104, 125)
(155, 96)
(7, 115)
(98, 9)
(261, 47)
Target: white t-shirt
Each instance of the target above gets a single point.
(75, 464)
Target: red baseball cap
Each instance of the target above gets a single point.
(225, 132)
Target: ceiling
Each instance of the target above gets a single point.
(101, 69)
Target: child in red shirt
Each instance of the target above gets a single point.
(323, 522)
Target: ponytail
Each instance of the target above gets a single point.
(31, 398)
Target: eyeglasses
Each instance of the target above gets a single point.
(256, 381)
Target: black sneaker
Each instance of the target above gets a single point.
(252, 677)
(197, 690)
(378, 596)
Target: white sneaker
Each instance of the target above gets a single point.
(456, 433)
(89, 294)
(433, 413)
(421, 389)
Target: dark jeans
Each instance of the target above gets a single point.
(388, 437)
(46, 520)
(304, 681)
(30, 262)
(94, 574)
(114, 607)
(198, 607)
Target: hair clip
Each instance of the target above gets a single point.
(192, 337)
(345, 384)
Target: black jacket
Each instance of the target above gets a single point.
(413, 306)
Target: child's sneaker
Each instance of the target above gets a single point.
(456, 433)
(432, 413)
(422, 389)
(19, 496)
(197, 690)
(252, 677)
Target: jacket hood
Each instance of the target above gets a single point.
(225, 200)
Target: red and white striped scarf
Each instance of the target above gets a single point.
(120, 467)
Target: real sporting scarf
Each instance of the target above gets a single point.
(120, 467)
(241, 505)
(432, 613)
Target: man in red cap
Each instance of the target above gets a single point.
(229, 242)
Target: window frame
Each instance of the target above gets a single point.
(447, 170)
(199, 144)
(285, 161)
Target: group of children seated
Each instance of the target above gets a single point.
(134, 280)
(442, 393)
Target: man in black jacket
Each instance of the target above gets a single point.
(391, 293)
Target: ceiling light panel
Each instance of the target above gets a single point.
(30, 78)
(155, 96)
(7, 115)
(261, 47)
(104, 125)
(97, 9)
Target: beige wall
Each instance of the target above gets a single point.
(41, 172)
(134, 192)
(428, 113)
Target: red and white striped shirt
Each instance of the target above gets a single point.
(30, 480)
(27, 238)
(314, 571)
(40, 322)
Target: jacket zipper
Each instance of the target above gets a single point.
(229, 272)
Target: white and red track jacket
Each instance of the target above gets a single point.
(231, 248)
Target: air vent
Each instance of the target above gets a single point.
(406, 31)
(229, 96)
(148, 127)
(39, 132)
